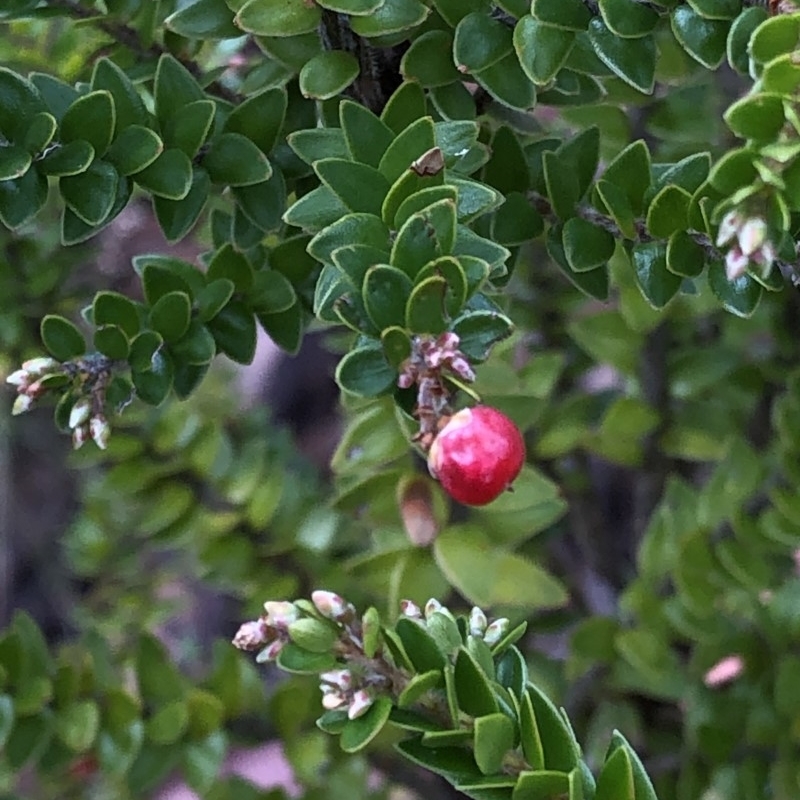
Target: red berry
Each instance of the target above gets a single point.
(477, 455)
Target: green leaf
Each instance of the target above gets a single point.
(22, 198)
(40, 131)
(169, 176)
(630, 170)
(365, 372)
(703, 39)
(260, 118)
(360, 187)
(153, 384)
(91, 194)
(328, 74)
(668, 211)
(422, 650)
(425, 310)
(366, 137)
(586, 246)
(62, 339)
(739, 37)
(562, 184)
(170, 315)
(144, 350)
(618, 206)
(128, 105)
(541, 785)
(77, 725)
(390, 17)
(474, 693)
(263, 203)
(90, 118)
(358, 8)
(285, 328)
(404, 107)
(174, 88)
(479, 42)
(196, 347)
(352, 229)
(230, 264)
(177, 217)
(168, 724)
(541, 48)
(189, 130)
(508, 84)
(271, 293)
(561, 751)
(530, 738)
(594, 283)
(386, 291)
(234, 331)
(278, 17)
(633, 60)
(135, 148)
(19, 102)
(112, 308)
(627, 18)
(416, 688)
(14, 162)
(425, 236)
(643, 787)
(479, 331)
(213, 298)
(739, 296)
(429, 60)
(234, 160)
(6, 718)
(775, 37)
(567, 14)
(203, 19)
(67, 159)
(493, 738)
(111, 341)
(657, 284)
(358, 733)
(757, 116)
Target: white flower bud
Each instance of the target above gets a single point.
(80, 436)
(270, 652)
(332, 701)
(20, 378)
(251, 635)
(432, 605)
(281, 613)
(477, 621)
(360, 704)
(22, 404)
(752, 235)
(100, 431)
(331, 606)
(80, 412)
(37, 367)
(728, 228)
(736, 263)
(496, 631)
(340, 678)
(408, 608)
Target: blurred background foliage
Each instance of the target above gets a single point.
(653, 536)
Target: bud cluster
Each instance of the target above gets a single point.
(431, 358)
(749, 244)
(90, 376)
(478, 624)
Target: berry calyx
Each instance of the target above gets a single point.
(477, 455)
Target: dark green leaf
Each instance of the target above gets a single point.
(22, 199)
(135, 148)
(399, 15)
(62, 339)
(530, 738)
(475, 695)
(39, 133)
(112, 308)
(562, 184)
(567, 14)
(196, 347)
(508, 84)
(425, 236)
(328, 74)
(189, 130)
(703, 39)
(541, 785)
(739, 37)
(684, 255)
(630, 170)
(386, 291)
(657, 284)
(128, 105)
(68, 159)
(90, 118)
(365, 372)
(91, 194)
(153, 385)
(278, 17)
(260, 118)
(204, 19)
(429, 60)
(668, 211)
(541, 48)
(263, 203)
(352, 229)
(111, 341)
(586, 246)
(594, 282)
(234, 160)
(358, 733)
(177, 217)
(405, 106)
(627, 18)
(479, 331)
(170, 315)
(366, 137)
(234, 331)
(271, 293)
(19, 101)
(285, 328)
(425, 310)
(739, 296)
(14, 162)
(633, 60)
(169, 176)
(360, 187)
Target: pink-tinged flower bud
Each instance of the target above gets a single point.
(21, 378)
(405, 380)
(736, 263)
(752, 235)
(251, 635)
(331, 606)
(724, 671)
(270, 652)
(22, 404)
(100, 431)
(728, 228)
(80, 412)
(431, 606)
(333, 700)
(360, 704)
(340, 678)
(765, 257)
(80, 436)
(43, 365)
(448, 341)
(281, 613)
(408, 608)
(462, 368)
(34, 389)
(496, 630)
(477, 621)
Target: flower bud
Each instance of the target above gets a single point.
(432, 605)
(736, 263)
(80, 436)
(80, 412)
(477, 621)
(251, 635)
(36, 367)
(22, 404)
(281, 613)
(496, 630)
(728, 228)
(360, 704)
(408, 608)
(331, 606)
(20, 378)
(333, 700)
(100, 431)
(340, 678)
(462, 368)
(752, 235)
(270, 652)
